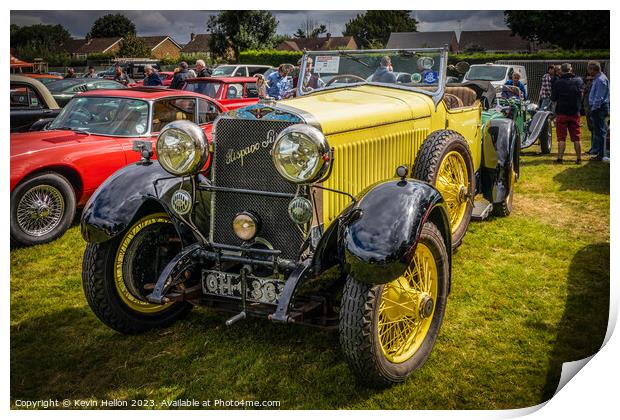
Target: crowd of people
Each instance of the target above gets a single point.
(567, 95)
(570, 97)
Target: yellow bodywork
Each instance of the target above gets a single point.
(374, 129)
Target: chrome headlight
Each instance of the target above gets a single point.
(301, 154)
(182, 148)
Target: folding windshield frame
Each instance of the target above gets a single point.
(437, 96)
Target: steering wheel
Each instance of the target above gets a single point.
(346, 77)
(83, 114)
(511, 91)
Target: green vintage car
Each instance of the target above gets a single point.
(338, 208)
(533, 125)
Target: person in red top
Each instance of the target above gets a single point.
(567, 92)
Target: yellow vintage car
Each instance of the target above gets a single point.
(337, 208)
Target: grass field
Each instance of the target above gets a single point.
(529, 292)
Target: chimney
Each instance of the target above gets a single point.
(192, 36)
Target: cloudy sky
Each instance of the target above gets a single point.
(180, 23)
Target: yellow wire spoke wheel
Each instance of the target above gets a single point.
(453, 184)
(137, 259)
(407, 306)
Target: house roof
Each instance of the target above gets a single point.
(72, 45)
(98, 45)
(316, 44)
(200, 43)
(422, 39)
(494, 40)
(153, 41)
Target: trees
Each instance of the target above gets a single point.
(572, 29)
(310, 29)
(374, 27)
(131, 46)
(238, 30)
(38, 37)
(112, 26)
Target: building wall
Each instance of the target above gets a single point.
(114, 49)
(166, 49)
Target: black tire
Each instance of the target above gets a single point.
(545, 137)
(358, 326)
(42, 209)
(99, 282)
(428, 161)
(504, 208)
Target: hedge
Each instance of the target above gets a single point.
(481, 57)
(271, 57)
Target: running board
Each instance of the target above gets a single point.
(482, 209)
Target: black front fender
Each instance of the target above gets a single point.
(117, 201)
(500, 156)
(378, 234)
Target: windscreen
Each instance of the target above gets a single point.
(419, 70)
(61, 85)
(223, 70)
(487, 73)
(105, 116)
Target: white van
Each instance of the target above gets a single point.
(497, 74)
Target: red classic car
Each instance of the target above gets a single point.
(233, 92)
(165, 76)
(56, 170)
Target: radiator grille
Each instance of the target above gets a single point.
(256, 173)
(358, 164)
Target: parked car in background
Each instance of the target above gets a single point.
(133, 68)
(233, 92)
(239, 70)
(497, 74)
(533, 125)
(56, 170)
(268, 72)
(166, 79)
(371, 182)
(31, 102)
(64, 90)
(43, 77)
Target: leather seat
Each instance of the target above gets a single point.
(465, 94)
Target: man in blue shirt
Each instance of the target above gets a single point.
(151, 78)
(276, 81)
(599, 110)
(514, 81)
(384, 73)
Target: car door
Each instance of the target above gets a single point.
(27, 107)
(208, 111)
(165, 111)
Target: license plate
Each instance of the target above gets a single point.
(258, 289)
